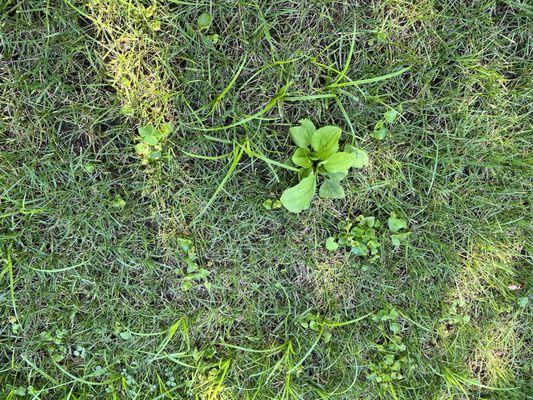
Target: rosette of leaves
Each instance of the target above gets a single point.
(360, 237)
(321, 163)
(151, 141)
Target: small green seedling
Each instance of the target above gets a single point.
(318, 155)
(150, 142)
(193, 272)
(381, 128)
(398, 227)
(270, 204)
(361, 238)
(204, 21)
(118, 202)
(389, 360)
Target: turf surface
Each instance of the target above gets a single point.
(92, 297)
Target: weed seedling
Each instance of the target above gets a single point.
(399, 232)
(193, 273)
(150, 142)
(381, 128)
(390, 357)
(362, 238)
(318, 155)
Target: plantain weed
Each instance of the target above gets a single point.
(317, 156)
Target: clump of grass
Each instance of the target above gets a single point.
(135, 56)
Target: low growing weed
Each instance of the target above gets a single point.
(381, 128)
(318, 155)
(390, 358)
(150, 142)
(193, 272)
(363, 237)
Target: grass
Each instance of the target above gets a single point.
(91, 299)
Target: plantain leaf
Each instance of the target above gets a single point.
(339, 162)
(298, 198)
(301, 157)
(361, 159)
(331, 190)
(301, 135)
(325, 141)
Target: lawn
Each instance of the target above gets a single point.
(144, 147)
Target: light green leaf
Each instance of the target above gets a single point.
(204, 21)
(390, 116)
(325, 141)
(300, 157)
(361, 157)
(146, 130)
(331, 190)
(166, 129)
(380, 133)
(336, 177)
(304, 172)
(126, 335)
(150, 140)
(270, 204)
(331, 244)
(186, 285)
(142, 149)
(400, 238)
(118, 202)
(339, 162)
(395, 224)
(298, 198)
(308, 125)
(301, 135)
(89, 167)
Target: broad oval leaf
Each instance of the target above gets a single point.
(204, 21)
(298, 198)
(300, 136)
(396, 224)
(331, 244)
(390, 115)
(361, 159)
(380, 133)
(308, 125)
(301, 158)
(339, 162)
(325, 141)
(331, 190)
